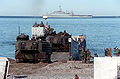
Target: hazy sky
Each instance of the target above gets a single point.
(40, 7)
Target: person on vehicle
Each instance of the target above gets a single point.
(65, 33)
(41, 25)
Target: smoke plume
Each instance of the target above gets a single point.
(37, 7)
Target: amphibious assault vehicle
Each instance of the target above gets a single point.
(59, 42)
(31, 50)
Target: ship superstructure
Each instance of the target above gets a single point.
(62, 14)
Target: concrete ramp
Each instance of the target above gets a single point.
(105, 67)
(4, 66)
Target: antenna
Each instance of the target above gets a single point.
(45, 17)
(19, 29)
(60, 8)
(72, 13)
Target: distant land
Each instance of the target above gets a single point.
(56, 18)
(20, 16)
(106, 16)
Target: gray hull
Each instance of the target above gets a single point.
(75, 16)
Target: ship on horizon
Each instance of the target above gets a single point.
(62, 14)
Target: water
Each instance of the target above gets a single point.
(100, 32)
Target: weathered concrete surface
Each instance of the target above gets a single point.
(118, 66)
(4, 66)
(105, 68)
(118, 60)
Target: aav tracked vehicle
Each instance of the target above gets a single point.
(59, 42)
(32, 50)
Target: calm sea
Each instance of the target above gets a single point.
(100, 32)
